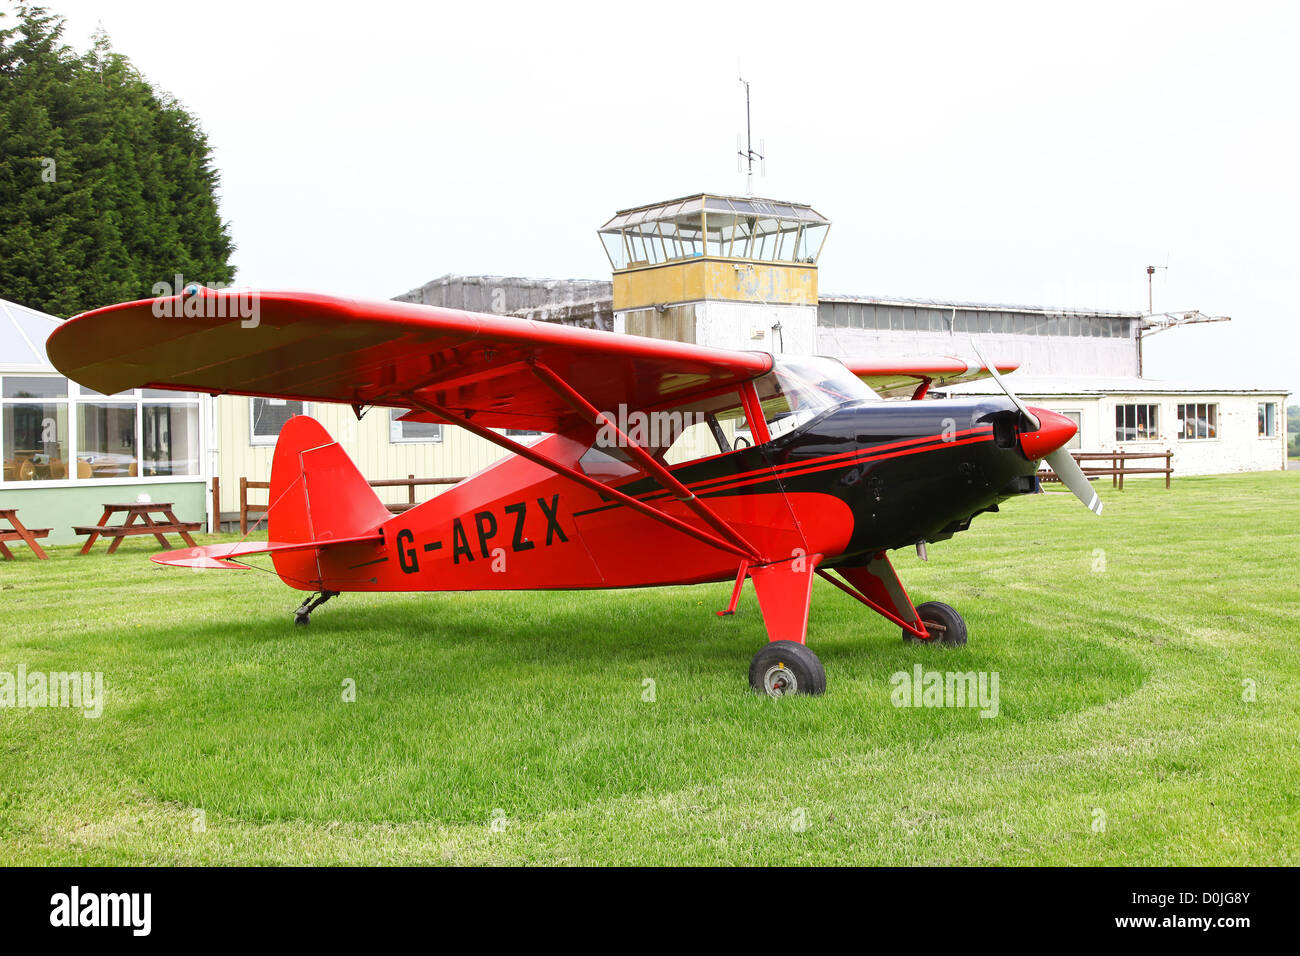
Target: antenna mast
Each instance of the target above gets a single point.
(1154, 322)
(749, 154)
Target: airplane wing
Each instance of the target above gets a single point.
(310, 347)
(890, 377)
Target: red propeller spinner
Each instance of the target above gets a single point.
(1054, 430)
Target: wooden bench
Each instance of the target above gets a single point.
(1116, 465)
(138, 522)
(17, 532)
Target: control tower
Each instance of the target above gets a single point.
(725, 271)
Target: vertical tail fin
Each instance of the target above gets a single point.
(316, 494)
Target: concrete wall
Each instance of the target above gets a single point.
(60, 508)
(728, 325)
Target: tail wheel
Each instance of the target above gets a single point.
(943, 622)
(786, 667)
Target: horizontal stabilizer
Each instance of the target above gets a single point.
(225, 556)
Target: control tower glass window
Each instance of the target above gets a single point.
(718, 227)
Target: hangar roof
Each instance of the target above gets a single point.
(1103, 385)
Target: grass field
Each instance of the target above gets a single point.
(1124, 647)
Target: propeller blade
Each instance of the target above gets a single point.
(1062, 462)
(1024, 409)
(1072, 476)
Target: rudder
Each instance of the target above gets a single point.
(316, 494)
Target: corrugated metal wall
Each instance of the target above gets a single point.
(940, 318)
(676, 322)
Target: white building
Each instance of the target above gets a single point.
(1210, 428)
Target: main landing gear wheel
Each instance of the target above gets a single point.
(942, 621)
(786, 667)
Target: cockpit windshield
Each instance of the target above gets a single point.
(799, 389)
(822, 382)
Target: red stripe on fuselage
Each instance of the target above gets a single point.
(821, 465)
(840, 459)
(844, 455)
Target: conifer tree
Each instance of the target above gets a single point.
(106, 184)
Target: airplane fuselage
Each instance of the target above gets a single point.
(863, 477)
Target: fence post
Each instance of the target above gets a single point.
(243, 506)
(214, 526)
(410, 491)
(1169, 466)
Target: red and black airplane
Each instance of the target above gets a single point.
(663, 463)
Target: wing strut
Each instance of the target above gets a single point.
(649, 467)
(523, 451)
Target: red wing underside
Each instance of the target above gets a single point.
(310, 347)
(890, 377)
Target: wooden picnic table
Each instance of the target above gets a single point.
(16, 532)
(138, 522)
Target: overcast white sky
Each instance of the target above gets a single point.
(1019, 153)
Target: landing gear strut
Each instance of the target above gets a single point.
(302, 615)
(786, 667)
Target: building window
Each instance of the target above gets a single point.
(1076, 440)
(1137, 422)
(1198, 421)
(411, 431)
(34, 427)
(169, 434)
(106, 440)
(1268, 419)
(267, 416)
(51, 430)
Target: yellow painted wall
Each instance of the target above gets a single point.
(366, 442)
(700, 279)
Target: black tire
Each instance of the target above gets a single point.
(786, 667)
(950, 633)
(301, 620)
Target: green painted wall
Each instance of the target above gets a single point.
(60, 508)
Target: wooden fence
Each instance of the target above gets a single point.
(1115, 464)
(410, 482)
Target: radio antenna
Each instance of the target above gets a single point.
(748, 154)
